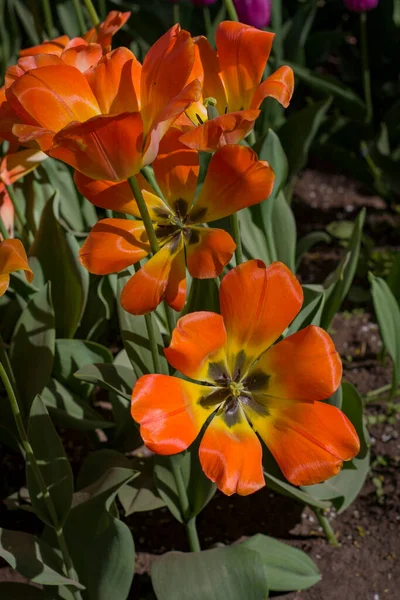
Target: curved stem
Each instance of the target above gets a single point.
(326, 527)
(79, 16)
(231, 10)
(176, 13)
(94, 17)
(48, 18)
(235, 230)
(31, 459)
(365, 66)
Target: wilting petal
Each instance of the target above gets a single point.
(115, 82)
(279, 85)
(167, 118)
(166, 69)
(197, 346)
(176, 169)
(208, 251)
(235, 179)
(231, 455)
(12, 258)
(106, 147)
(52, 97)
(113, 245)
(118, 196)
(18, 164)
(213, 86)
(82, 57)
(55, 46)
(104, 32)
(162, 277)
(243, 52)
(311, 359)
(309, 441)
(170, 411)
(257, 304)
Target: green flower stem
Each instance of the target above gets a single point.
(148, 174)
(251, 138)
(176, 13)
(102, 9)
(3, 229)
(31, 460)
(94, 17)
(79, 16)
(144, 213)
(365, 66)
(18, 213)
(235, 231)
(326, 527)
(151, 333)
(231, 10)
(48, 18)
(207, 21)
(190, 524)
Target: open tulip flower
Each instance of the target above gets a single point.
(105, 116)
(242, 384)
(12, 258)
(232, 85)
(235, 179)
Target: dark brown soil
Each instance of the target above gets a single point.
(367, 565)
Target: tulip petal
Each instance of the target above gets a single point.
(231, 455)
(82, 57)
(279, 85)
(213, 86)
(309, 441)
(177, 169)
(225, 129)
(113, 245)
(170, 411)
(118, 196)
(162, 277)
(243, 52)
(257, 304)
(28, 63)
(103, 33)
(310, 357)
(197, 346)
(55, 46)
(115, 82)
(208, 251)
(52, 97)
(13, 258)
(166, 69)
(4, 283)
(17, 164)
(235, 179)
(33, 137)
(105, 147)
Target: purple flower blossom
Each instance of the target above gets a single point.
(361, 5)
(254, 12)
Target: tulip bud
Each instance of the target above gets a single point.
(361, 5)
(254, 12)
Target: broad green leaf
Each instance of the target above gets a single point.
(199, 488)
(340, 229)
(300, 26)
(135, 337)
(33, 558)
(280, 229)
(53, 465)
(311, 311)
(67, 409)
(299, 131)
(254, 240)
(71, 355)
(57, 252)
(203, 295)
(101, 546)
(271, 150)
(234, 573)
(99, 308)
(112, 377)
(344, 488)
(388, 315)
(345, 97)
(309, 240)
(32, 346)
(338, 283)
(287, 568)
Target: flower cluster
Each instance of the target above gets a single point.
(108, 116)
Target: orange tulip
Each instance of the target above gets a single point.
(12, 258)
(108, 120)
(232, 79)
(248, 384)
(235, 179)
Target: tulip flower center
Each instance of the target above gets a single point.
(236, 389)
